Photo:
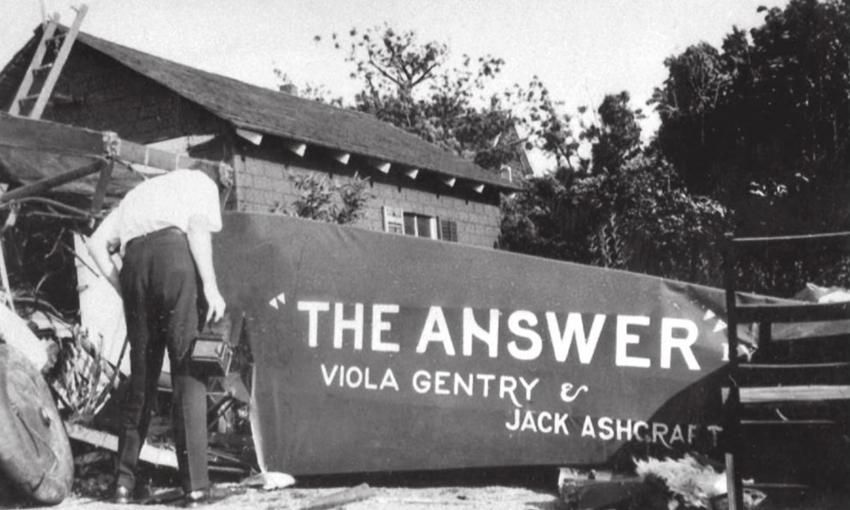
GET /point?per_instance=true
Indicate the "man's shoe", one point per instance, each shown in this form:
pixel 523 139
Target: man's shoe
pixel 121 495
pixel 195 499
pixel 143 491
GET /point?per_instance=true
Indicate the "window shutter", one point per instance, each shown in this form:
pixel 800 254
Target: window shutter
pixel 393 220
pixel 448 230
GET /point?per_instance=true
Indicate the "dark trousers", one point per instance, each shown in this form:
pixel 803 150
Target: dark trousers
pixel 159 283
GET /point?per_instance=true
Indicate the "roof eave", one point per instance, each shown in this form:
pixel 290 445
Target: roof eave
pixel 495 182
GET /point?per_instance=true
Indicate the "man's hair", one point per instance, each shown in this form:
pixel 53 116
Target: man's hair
pixel 222 175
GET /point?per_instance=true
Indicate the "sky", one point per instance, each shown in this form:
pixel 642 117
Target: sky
pixel 581 49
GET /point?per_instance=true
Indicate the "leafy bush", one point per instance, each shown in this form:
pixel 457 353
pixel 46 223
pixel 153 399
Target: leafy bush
pixel 638 219
pixel 323 199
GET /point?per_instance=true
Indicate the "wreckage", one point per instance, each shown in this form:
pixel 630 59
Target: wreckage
pixel 350 358
pixel 57 182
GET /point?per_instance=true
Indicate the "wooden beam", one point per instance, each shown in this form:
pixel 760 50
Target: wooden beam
pixel 342 157
pixel 43 185
pixel 137 154
pixel 340 499
pixel 149 453
pixel 412 173
pixel 50 137
pixel 297 148
pixel 798 312
pixel 102 183
pixel 251 136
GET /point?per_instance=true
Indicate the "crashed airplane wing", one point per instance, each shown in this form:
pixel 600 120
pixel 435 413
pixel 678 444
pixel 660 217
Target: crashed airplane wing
pixel 377 352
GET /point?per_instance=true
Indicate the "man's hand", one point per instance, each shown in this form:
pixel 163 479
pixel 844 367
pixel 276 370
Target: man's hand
pixel 215 303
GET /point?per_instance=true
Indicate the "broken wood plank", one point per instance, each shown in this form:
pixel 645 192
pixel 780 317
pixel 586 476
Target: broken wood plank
pixel 47 183
pixel 800 394
pixel 151 454
pixel 338 499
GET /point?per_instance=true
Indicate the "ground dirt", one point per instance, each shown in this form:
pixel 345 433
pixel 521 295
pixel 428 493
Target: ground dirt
pixel 382 498
pixel 450 497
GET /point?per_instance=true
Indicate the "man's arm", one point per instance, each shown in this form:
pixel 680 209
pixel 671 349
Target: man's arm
pixel 200 244
pixel 101 245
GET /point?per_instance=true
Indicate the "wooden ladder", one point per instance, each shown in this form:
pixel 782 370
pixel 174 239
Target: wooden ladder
pixel 754 387
pixel 46 65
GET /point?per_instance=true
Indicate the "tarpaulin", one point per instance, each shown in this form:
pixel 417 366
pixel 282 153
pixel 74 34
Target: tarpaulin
pixel 375 352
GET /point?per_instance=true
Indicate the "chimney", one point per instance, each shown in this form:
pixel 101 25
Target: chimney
pixel 289 88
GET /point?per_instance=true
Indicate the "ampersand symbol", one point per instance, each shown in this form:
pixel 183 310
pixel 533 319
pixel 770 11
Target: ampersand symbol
pixel 567 387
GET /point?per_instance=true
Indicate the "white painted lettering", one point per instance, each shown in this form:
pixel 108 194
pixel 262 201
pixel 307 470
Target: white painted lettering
pixel 624 339
pixel 561 424
pixel 435 330
pixel 587 429
pixel 379 325
pixel 355 325
pixel 507 386
pixel 471 331
pixel 528 386
pixel 421 381
pixel 574 329
pixel 328 377
pixel 516 327
pixel 313 308
pixel 440 377
pixel 606 430
pixel 683 344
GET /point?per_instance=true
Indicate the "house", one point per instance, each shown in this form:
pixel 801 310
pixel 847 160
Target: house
pixel 267 136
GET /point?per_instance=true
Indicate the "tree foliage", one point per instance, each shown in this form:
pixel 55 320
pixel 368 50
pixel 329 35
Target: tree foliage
pixel 417 87
pixel 625 209
pixel 754 137
pixel 413 86
pixel 763 123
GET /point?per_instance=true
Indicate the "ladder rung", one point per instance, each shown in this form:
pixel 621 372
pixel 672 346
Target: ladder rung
pixel 802 394
pixel 777 485
pixel 57 37
pixel 30 97
pixel 795 366
pixel 41 68
pixel 788 422
pixel 803 312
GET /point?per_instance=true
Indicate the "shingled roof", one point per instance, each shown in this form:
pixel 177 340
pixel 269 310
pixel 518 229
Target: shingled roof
pixel 276 113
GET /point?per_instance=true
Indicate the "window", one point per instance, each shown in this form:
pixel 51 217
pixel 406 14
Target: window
pixel 419 225
pixel 399 221
pixel 448 230
pixel 393 220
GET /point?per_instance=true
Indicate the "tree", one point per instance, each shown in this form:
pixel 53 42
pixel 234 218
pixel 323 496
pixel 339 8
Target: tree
pixel 617 138
pixel 764 123
pixel 628 211
pixel 412 85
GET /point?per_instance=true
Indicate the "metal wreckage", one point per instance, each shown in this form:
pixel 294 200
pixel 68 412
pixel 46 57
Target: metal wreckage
pixel 356 351
pixel 63 353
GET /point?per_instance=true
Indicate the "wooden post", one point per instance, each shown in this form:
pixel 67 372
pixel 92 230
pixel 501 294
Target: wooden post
pixel 731 424
pixel 4 276
pixel 102 184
